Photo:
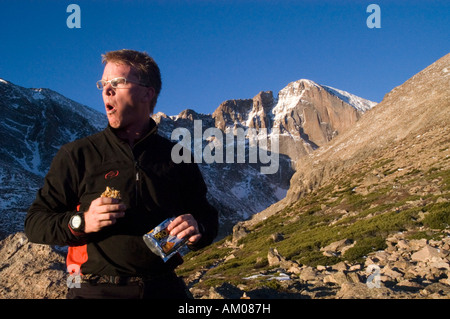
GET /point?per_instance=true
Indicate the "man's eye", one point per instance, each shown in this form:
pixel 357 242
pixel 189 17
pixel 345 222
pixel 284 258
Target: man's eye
pixel 116 82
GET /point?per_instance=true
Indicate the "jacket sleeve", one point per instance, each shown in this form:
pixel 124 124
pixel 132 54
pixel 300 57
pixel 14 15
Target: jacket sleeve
pixel 197 205
pixel 48 217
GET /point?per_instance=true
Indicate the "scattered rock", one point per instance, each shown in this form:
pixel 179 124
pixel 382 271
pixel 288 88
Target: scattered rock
pixel 362 291
pixel 426 254
pixel 239 232
pixel 341 266
pixel 337 248
pixel 277 237
pixel 229 257
pixel 308 274
pixel 393 274
pixel 406 269
pixel 225 291
pixel 273 257
pixel 409 285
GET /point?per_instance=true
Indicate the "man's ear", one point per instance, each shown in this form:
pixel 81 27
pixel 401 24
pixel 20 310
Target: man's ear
pixel 149 98
pixel 149 94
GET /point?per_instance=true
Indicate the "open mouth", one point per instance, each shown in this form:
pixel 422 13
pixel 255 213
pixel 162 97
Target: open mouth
pixel 109 109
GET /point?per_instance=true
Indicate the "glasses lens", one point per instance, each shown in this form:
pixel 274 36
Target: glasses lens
pixel 117 82
pixel 100 85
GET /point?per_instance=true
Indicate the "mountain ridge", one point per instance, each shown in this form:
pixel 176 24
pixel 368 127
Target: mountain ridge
pixel 34 125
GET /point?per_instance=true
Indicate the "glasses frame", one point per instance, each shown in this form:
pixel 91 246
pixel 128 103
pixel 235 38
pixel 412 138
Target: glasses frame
pixel 103 83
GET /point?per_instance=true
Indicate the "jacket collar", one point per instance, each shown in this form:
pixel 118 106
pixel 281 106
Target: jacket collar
pixel 153 130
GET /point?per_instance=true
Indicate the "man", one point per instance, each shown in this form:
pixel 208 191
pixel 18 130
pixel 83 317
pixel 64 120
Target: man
pixel 105 235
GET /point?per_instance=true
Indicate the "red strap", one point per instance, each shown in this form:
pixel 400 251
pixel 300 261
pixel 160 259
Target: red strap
pixel 76 256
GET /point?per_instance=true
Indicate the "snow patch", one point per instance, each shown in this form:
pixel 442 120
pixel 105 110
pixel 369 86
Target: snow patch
pixel 358 103
pixel 32 162
pixel 281 277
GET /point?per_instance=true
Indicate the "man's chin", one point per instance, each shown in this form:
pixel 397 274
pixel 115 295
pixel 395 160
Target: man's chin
pixel 113 121
pixel 114 124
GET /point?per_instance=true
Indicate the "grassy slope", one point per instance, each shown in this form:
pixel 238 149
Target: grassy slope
pixel 379 196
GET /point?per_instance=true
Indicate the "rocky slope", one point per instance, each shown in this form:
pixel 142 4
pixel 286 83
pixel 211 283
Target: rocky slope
pixel 366 216
pixel 22 274
pixel 407 269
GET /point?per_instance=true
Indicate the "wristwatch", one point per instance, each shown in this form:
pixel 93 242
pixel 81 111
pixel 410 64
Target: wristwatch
pixel 76 222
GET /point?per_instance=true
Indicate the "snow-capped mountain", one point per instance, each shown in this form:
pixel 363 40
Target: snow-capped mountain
pixel 309 115
pixel 304 116
pixel 34 124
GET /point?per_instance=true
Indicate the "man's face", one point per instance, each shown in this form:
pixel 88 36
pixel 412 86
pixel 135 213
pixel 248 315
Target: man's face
pixel 129 106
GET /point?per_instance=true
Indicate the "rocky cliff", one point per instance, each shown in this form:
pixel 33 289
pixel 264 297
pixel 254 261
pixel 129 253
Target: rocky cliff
pixel 307 114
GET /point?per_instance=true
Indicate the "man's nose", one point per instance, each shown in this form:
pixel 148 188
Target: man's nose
pixel 108 90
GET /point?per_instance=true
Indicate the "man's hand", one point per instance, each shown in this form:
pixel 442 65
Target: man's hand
pixel 103 212
pixel 185 226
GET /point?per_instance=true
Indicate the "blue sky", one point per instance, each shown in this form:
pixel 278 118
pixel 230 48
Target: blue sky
pixel 212 51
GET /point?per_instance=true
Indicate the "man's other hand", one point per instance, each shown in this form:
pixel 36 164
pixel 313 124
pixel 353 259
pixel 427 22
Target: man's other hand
pixel 185 226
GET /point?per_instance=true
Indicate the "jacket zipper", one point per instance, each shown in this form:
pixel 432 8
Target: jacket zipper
pixel 136 187
pixel 136 165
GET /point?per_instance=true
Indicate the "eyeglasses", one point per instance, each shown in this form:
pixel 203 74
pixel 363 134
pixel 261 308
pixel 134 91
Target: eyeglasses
pixel 117 83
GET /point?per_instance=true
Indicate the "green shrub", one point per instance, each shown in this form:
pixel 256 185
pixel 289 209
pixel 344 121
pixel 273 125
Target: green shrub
pixel 438 216
pixel 365 246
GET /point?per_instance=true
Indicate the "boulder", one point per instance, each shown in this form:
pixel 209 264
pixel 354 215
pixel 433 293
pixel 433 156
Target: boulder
pixel 337 248
pixel 427 253
pixel 273 257
pixel 31 271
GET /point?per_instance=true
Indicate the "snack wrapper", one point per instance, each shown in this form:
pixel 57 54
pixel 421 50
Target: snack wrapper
pixel 161 242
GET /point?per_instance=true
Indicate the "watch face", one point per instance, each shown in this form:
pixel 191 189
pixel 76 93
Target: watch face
pixel 76 221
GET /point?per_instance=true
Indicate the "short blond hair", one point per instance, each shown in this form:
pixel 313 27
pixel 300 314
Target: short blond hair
pixel 146 68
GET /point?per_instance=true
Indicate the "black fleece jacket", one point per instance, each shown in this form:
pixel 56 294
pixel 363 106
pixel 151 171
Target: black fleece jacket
pixel 152 187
